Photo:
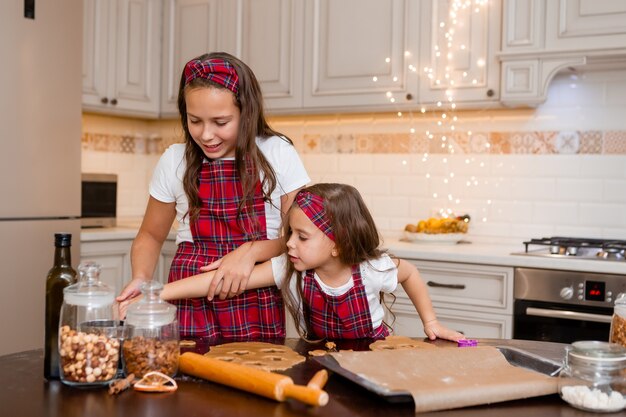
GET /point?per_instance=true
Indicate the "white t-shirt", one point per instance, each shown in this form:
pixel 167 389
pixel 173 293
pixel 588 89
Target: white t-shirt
pixel 378 275
pixel 167 182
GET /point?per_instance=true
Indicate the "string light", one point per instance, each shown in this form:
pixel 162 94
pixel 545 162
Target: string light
pixel 442 74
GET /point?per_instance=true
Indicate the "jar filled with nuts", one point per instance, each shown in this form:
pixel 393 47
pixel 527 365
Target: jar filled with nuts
pixel 618 323
pixel 89 352
pixel 151 334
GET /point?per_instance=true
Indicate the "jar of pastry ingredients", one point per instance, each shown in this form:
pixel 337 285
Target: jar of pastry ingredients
pixel 618 322
pixel 593 377
pixel 151 334
pixel 89 347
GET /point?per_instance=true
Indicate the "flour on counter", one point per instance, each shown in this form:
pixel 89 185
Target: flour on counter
pixel 581 396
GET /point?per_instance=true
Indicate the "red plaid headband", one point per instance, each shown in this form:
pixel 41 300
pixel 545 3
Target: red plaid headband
pixel 216 70
pixel 313 206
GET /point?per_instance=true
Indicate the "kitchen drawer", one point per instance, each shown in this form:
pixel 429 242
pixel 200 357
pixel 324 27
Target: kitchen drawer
pixel 474 325
pixel 483 288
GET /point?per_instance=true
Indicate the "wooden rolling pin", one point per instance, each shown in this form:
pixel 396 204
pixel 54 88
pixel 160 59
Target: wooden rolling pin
pixel 267 384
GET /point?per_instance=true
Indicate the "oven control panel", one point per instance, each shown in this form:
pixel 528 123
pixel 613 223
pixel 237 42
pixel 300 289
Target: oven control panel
pixel 584 288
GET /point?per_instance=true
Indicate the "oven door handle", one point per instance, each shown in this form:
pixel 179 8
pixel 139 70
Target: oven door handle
pixel 568 315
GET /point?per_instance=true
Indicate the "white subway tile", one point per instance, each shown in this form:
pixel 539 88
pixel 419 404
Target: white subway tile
pixel 320 163
pixel 614 191
pixel 602 215
pixel 578 231
pixel 602 166
pixel 392 164
pixel 533 189
pixel 389 206
pixel 555 213
pixel 511 212
pixel 528 231
pixel 373 184
pixel 356 164
pixel 577 189
pixel 410 186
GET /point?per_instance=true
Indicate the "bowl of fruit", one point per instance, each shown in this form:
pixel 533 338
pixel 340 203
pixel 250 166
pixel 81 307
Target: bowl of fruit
pixel 438 230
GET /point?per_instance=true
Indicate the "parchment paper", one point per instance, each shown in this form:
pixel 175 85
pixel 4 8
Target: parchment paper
pixel 446 378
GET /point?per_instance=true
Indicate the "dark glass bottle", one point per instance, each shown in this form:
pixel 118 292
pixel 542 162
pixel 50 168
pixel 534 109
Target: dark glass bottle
pixel 60 276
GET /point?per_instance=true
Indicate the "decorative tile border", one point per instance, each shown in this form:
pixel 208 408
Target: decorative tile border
pixel 129 144
pixel 485 143
pixel 502 143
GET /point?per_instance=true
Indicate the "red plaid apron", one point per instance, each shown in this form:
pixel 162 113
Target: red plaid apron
pixel 255 314
pixel 343 317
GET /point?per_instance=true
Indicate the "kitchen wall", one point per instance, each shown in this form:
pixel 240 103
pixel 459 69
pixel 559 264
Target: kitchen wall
pixel 559 169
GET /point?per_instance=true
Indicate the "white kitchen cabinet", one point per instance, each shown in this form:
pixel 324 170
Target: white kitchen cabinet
pixel 350 43
pixel 474 69
pixel 190 28
pixel 476 300
pixel 322 55
pixel 113 254
pixel 541 38
pixel 122 56
pixel 267 36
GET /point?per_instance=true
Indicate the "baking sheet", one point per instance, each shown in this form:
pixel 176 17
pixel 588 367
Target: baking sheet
pixel 489 365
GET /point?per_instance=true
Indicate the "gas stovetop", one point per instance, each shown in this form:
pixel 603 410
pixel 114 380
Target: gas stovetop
pixel 576 248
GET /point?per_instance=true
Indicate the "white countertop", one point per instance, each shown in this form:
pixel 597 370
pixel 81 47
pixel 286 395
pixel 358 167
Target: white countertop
pixel 477 251
pixel 496 253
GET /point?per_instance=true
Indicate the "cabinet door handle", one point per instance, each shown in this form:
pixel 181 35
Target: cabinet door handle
pixel 114 101
pixel 104 100
pixel 451 286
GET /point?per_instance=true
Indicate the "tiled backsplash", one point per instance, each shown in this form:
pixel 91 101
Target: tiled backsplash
pixel 559 169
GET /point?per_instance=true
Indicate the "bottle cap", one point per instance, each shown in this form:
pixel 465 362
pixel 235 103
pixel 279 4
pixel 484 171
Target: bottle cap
pixel 62 239
pixel 467 342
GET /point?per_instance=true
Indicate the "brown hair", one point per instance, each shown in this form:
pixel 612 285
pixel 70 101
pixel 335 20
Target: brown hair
pixel 249 160
pixel 356 237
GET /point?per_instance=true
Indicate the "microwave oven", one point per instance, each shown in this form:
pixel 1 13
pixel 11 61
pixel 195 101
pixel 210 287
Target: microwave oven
pixel 98 200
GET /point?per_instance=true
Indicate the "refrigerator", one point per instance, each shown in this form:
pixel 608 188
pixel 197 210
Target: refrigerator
pixel 40 129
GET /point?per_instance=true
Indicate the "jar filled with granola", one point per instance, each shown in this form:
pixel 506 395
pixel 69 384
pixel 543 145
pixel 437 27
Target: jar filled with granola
pixel 618 323
pixel 151 334
pixel 89 347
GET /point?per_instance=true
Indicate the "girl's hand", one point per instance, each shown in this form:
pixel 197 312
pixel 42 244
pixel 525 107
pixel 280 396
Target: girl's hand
pixel 232 271
pixel 122 307
pixel 133 289
pixel 434 329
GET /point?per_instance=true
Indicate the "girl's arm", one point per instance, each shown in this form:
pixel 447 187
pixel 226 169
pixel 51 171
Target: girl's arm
pixel 144 253
pixel 234 269
pixel 414 286
pixel 197 286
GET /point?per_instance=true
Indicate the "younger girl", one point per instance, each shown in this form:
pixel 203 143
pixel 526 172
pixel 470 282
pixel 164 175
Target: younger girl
pixel 333 273
pixel 227 187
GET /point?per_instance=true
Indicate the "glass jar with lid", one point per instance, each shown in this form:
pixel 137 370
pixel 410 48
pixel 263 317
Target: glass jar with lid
pixel 618 322
pixel 151 334
pixel 89 347
pixel 593 377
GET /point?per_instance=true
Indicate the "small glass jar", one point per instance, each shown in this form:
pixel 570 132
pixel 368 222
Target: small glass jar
pixel 89 347
pixel 618 322
pixel 151 334
pixel 593 377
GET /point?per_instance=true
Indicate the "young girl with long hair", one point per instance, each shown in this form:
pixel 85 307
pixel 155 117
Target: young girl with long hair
pixel 228 186
pixel 334 272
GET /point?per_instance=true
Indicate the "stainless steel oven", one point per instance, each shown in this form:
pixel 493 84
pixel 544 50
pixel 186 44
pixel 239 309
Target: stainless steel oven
pixel 566 306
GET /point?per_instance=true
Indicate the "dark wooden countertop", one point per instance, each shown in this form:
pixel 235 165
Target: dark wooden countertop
pixel 24 393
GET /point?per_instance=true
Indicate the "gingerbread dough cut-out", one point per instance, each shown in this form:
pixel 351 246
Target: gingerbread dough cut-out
pixel 399 342
pixel 260 355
